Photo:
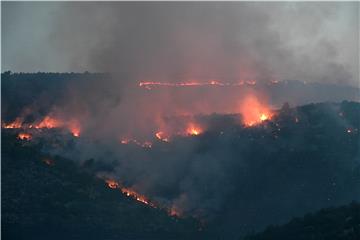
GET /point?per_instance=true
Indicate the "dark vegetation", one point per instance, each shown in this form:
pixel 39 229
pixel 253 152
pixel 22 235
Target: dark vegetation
pixel 60 201
pixel 342 223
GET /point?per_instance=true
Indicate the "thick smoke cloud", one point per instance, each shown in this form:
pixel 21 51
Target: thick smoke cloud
pixel 189 40
pixel 184 41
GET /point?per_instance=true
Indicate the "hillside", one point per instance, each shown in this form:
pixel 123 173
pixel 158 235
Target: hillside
pixel 46 197
pixel 341 223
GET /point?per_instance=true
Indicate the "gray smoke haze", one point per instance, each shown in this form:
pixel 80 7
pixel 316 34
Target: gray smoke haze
pixel 180 42
pixel 189 40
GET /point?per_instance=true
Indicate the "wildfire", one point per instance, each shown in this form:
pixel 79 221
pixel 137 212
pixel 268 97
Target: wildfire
pixel 138 197
pixel 129 192
pixel 24 136
pixel 112 184
pixel 16 124
pixel 145 144
pixel 253 111
pixel 161 136
pixel 193 130
pixel 74 128
pixel 150 84
pixel 263 117
pixel 49 122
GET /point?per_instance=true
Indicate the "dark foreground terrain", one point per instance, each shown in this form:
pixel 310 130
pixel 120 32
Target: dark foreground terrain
pixel 331 223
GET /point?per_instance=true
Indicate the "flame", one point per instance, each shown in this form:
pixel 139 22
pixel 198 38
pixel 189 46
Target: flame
pixel 24 136
pixel 138 197
pixel 264 117
pixel 16 124
pixel 162 136
pixel 49 122
pixel 253 111
pixel 74 128
pixel 150 84
pixel 112 183
pixel 194 130
pixel 129 192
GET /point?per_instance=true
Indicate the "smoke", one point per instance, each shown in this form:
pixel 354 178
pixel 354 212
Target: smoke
pixel 183 42
pixel 198 41
pixel 188 40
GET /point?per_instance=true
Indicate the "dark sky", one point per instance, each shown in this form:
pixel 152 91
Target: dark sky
pixel 183 40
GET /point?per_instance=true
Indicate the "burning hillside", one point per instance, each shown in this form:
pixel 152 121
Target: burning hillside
pixel 129 193
pixel 47 122
pixel 195 160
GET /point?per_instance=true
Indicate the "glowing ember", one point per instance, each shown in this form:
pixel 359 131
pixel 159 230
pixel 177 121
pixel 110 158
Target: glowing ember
pixel 174 212
pixel 16 124
pixel 161 136
pixel 147 144
pixel 76 133
pixel 24 136
pixel 193 130
pixel 124 141
pixel 48 161
pixel 112 184
pixel 253 111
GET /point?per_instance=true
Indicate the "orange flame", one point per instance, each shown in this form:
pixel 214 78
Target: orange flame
pixel 74 128
pixel 150 84
pixel 24 136
pixel 112 184
pixel 129 192
pixel 16 124
pixel 49 122
pixel 253 111
pixel 162 136
pixel 194 130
